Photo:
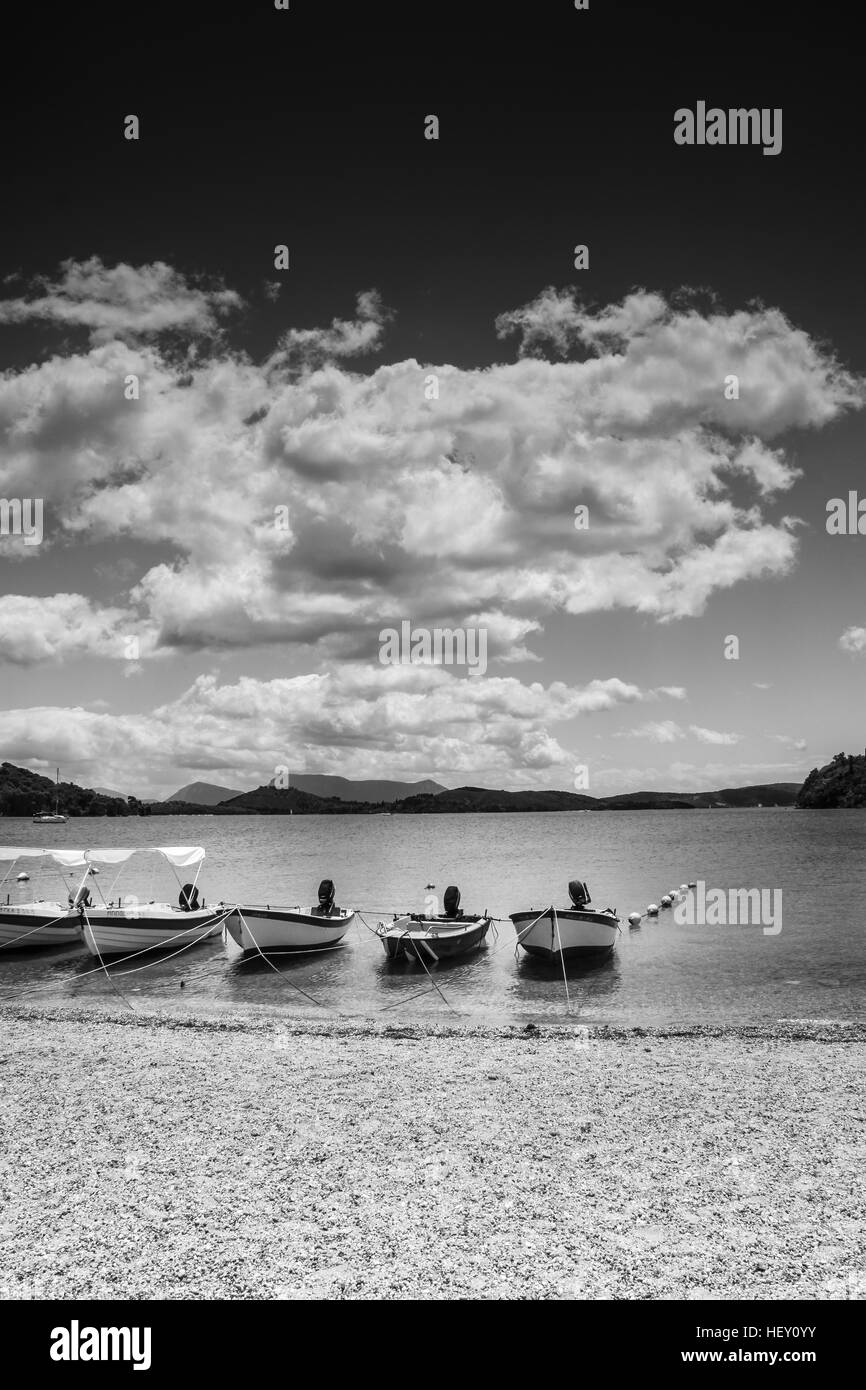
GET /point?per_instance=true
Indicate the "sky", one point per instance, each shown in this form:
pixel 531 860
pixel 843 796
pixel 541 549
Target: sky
pixel 220 555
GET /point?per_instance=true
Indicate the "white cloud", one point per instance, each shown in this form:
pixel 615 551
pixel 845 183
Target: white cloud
pixel 788 742
pixel 362 721
pixel 657 731
pixel 853 640
pixel 123 300
pixel 441 511
pixel 658 364
pixel 344 338
pixel 713 735
pixel 60 627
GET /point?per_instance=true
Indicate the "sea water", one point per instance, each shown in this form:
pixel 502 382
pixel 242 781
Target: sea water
pixel 661 973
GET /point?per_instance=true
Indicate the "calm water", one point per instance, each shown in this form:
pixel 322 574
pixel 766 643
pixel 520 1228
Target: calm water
pixel 661 973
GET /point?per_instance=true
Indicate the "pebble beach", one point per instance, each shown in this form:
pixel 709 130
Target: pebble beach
pixel 218 1156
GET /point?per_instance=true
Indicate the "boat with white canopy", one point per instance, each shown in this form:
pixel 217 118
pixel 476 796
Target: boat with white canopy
pixel 131 925
pixel 39 922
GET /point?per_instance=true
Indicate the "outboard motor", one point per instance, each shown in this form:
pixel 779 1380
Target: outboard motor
pixel 326 897
pixel 578 892
pixel 188 900
pixel 452 902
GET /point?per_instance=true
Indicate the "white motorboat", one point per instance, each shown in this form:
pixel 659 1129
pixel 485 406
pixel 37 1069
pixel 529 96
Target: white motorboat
pixel 42 922
pixel 577 930
pixel 428 940
pixel 132 926
pixel 266 929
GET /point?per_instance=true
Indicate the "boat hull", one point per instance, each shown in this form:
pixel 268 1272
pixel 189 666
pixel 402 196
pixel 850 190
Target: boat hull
pixel 33 926
pixel 154 927
pixel 278 929
pixel 569 932
pixel 432 940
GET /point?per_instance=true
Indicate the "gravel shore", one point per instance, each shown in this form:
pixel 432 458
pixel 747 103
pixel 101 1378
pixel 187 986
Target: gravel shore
pixel 226 1157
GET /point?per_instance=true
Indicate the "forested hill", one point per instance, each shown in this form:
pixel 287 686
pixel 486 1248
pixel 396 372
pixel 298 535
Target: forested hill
pixel 25 793
pixel 841 783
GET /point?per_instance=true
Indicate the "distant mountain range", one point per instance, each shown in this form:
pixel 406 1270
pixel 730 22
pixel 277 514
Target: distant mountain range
pixel 203 794
pixel 323 785
pixel 345 790
pixel 481 799
pixel 24 793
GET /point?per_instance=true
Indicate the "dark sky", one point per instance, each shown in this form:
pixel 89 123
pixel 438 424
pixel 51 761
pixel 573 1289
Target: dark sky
pixel 306 127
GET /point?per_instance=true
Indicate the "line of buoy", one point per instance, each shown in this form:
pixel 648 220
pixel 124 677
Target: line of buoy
pixel 667 900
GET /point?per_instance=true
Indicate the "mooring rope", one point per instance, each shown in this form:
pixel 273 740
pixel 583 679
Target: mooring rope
pixel 283 975
pixel 561 960
pixel 104 966
pixel 427 972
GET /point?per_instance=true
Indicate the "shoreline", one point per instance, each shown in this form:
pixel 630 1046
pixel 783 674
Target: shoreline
pixel 262 1020
pixel 202 1156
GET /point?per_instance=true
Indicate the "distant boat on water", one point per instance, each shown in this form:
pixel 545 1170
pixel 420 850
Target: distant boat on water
pixel 49 817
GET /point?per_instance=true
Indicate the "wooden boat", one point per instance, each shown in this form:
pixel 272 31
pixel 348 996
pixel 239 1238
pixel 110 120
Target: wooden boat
pixel 133 926
pixel 269 930
pixel 41 922
pixel 416 937
pixel 579 930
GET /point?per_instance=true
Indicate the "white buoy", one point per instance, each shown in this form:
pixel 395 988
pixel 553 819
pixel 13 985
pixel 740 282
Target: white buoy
pixel 693 885
pixel 666 902
pixel 684 887
pixel 652 910
pixel 634 919
pixel 23 878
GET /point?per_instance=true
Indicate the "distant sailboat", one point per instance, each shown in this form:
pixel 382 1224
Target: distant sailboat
pixel 47 818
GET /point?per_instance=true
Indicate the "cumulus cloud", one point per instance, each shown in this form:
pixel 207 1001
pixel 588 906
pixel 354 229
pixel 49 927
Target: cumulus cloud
pixel 788 742
pixel 657 364
pixel 853 640
pixel 345 337
pixel 122 300
pixel 63 626
pixel 360 721
pixel 267 506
